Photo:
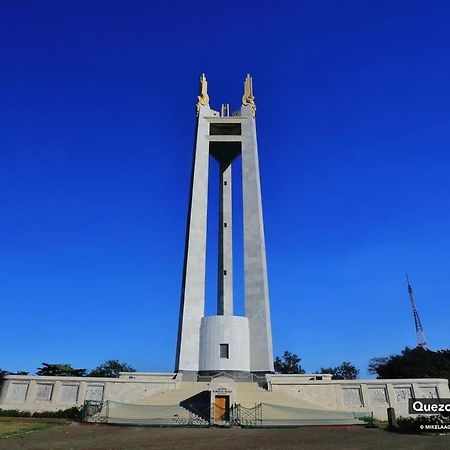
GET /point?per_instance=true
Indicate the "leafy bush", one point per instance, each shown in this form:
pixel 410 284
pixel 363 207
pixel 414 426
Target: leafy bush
pixel 14 413
pixel 417 424
pixel 73 413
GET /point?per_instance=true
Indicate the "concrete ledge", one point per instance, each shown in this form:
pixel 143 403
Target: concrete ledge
pixel 224 138
pixel 281 379
pixel 229 119
pixel 147 376
pixel 90 379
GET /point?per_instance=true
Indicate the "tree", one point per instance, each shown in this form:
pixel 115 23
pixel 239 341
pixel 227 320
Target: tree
pixel 111 369
pixel 346 371
pixel 376 363
pixel 412 363
pixel 60 370
pixel 7 372
pixel 289 363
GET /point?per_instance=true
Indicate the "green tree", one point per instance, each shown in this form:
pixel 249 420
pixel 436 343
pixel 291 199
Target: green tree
pixel 7 372
pixel 412 363
pixel 110 369
pixel 346 371
pixel 60 370
pixel 289 363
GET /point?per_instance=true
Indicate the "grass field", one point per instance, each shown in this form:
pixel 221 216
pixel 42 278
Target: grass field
pixel 50 436
pixel 10 426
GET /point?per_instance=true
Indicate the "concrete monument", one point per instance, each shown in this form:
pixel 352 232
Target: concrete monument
pixel 225 342
pixel 224 364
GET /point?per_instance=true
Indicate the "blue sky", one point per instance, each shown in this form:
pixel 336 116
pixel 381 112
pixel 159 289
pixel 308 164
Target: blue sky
pixel 97 123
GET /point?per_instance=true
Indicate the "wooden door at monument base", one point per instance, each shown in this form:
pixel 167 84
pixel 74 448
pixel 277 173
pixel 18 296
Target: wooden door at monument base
pixel 221 407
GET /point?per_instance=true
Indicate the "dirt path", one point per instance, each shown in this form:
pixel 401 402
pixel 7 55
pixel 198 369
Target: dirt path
pixel 96 437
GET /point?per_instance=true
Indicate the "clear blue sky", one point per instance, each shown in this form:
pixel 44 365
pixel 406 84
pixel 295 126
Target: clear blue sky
pixel 97 122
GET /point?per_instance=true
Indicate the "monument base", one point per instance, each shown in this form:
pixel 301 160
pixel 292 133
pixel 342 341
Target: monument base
pixel 224 344
pixel 309 392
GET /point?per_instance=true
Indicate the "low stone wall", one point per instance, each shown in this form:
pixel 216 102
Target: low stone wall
pixel 36 393
pixel 360 395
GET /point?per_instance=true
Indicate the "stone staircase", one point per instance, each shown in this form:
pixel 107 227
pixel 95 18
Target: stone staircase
pixel 184 391
pixel 282 409
pixel 249 394
pixel 189 404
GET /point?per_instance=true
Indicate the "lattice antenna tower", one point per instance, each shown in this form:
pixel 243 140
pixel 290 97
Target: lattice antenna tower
pixel 420 335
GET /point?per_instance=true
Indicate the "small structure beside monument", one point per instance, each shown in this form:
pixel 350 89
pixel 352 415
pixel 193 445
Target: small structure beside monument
pixel 224 363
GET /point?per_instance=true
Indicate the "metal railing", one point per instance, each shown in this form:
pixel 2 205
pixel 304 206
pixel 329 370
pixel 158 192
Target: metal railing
pixel 247 416
pixel 133 414
pixel 366 417
pixel 94 411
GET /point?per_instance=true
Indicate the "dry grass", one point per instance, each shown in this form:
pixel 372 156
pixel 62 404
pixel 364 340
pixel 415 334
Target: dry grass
pixel 95 437
pixel 10 426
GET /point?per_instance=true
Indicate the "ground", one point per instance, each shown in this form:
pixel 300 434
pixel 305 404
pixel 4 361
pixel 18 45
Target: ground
pixel 18 425
pixel 96 437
